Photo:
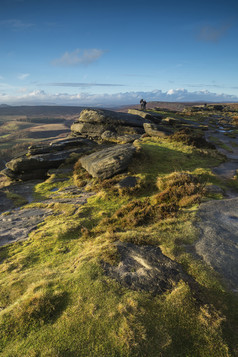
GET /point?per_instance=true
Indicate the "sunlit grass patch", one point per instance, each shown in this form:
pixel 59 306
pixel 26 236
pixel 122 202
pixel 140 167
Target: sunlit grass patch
pixel 160 157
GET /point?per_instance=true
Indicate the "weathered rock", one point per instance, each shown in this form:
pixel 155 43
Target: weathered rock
pixel 90 130
pixel 108 162
pixel 93 123
pixel 157 130
pixel 110 117
pixel 95 131
pixel 112 136
pixel 142 114
pixel 39 162
pixel 171 121
pixel 24 176
pixel 69 195
pixel 58 145
pixel 28 167
pixel 218 243
pixel 145 268
pixel 18 224
pixel 152 117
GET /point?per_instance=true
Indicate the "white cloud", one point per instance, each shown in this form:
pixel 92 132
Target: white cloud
pixel 23 76
pixel 170 92
pixel 78 57
pixel 15 24
pixel 41 97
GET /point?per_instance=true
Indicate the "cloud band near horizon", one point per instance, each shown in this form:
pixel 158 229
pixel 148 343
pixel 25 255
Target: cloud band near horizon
pixel 83 85
pixel 40 97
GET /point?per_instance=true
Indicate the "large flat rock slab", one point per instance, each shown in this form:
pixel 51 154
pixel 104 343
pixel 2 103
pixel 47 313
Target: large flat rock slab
pixel 218 243
pixel 108 162
pixel 18 224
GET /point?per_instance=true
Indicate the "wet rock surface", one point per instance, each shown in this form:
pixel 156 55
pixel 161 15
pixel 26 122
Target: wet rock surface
pixel 227 169
pixel 145 268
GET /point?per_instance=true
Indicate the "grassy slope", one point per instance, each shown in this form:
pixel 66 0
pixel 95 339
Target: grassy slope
pixel 56 301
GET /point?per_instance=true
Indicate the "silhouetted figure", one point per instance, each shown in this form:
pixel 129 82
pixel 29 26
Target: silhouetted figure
pixel 143 104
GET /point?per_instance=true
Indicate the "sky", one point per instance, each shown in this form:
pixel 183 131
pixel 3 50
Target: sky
pixel 109 52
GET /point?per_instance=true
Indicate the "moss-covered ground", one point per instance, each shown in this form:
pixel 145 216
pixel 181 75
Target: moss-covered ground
pixel 55 299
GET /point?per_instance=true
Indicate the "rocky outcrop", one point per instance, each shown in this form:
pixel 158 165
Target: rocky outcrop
pixel 92 123
pixel 108 162
pixel 157 130
pixel 41 158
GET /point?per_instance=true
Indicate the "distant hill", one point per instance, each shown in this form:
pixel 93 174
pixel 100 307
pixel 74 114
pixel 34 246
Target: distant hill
pixel 39 110
pixel 4 105
pixel 177 106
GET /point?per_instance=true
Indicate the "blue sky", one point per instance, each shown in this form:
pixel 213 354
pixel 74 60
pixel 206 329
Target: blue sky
pixel 115 52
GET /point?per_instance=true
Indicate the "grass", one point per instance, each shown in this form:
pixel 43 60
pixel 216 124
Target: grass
pixel 55 298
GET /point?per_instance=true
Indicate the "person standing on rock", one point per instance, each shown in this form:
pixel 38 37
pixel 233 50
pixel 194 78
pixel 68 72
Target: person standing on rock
pixel 143 104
